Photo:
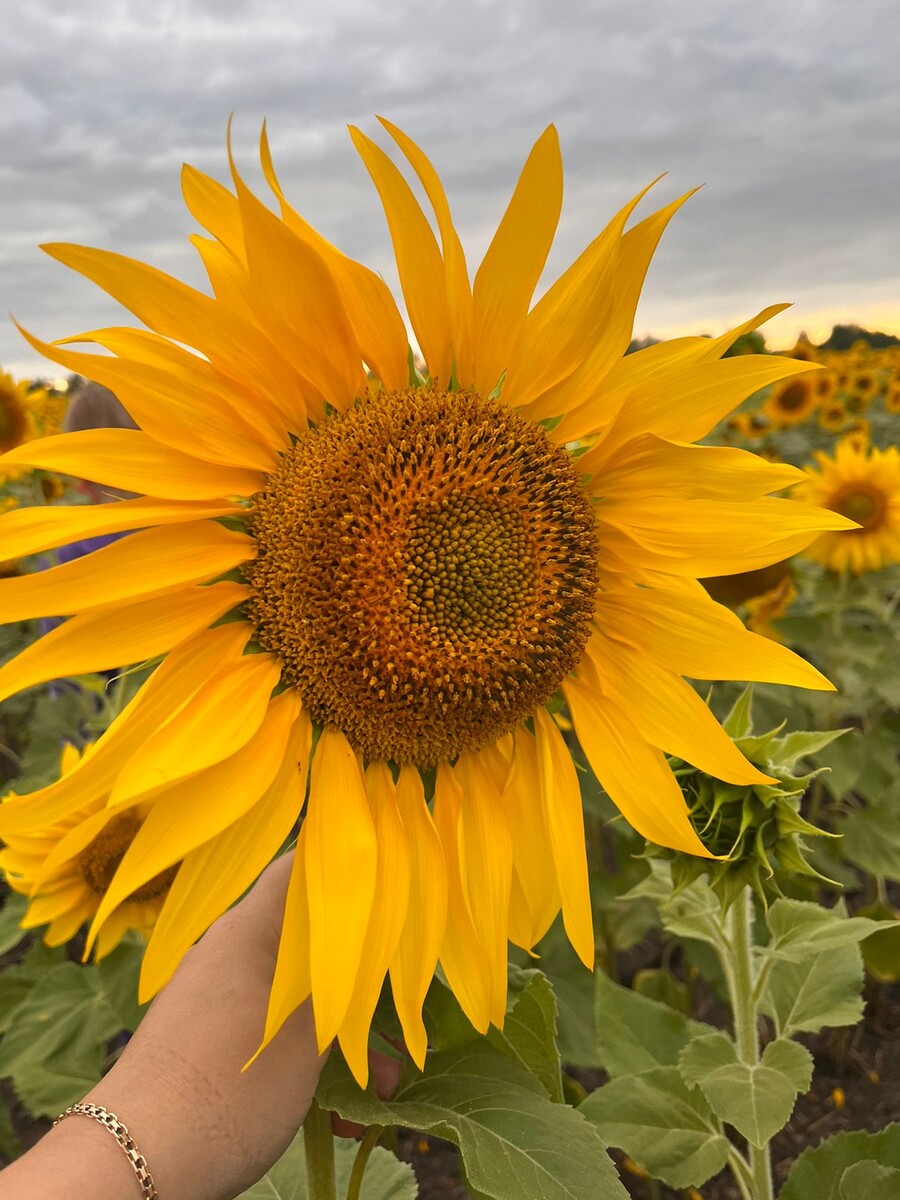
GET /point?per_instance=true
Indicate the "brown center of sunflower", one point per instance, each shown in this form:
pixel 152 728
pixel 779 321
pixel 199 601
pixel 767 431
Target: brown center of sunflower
pixel 794 396
pixel 426 571
pixel 13 420
pixel 863 505
pixel 99 861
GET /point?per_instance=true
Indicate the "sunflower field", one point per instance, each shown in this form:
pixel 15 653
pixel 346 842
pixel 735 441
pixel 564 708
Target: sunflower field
pixel 568 671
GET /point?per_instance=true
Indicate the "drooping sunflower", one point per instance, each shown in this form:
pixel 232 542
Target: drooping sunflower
pixel 793 402
pixel 66 868
pixel 383 580
pixel 862 483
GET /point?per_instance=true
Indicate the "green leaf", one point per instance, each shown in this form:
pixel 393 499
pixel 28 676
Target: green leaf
pixel 801 929
pixel 819 1172
pixel 386 1177
pixel 869 1180
pixel 573 985
pixel 56 1039
pixel 635 1033
pixel 820 991
pixel 516 1143
pixel 845 760
pixel 10 915
pixel 528 1036
pixel 18 980
pixel 799 744
pixel 739 722
pixel 756 1099
pixel 10 1147
pixel 118 975
pixel 872 840
pixel 662 1124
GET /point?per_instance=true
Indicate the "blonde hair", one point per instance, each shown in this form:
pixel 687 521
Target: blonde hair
pixel 96 407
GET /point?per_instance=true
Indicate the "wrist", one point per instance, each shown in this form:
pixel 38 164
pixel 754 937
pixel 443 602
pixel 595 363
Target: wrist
pixel 76 1159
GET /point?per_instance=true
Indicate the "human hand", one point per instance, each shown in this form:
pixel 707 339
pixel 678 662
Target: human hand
pixel 207 1129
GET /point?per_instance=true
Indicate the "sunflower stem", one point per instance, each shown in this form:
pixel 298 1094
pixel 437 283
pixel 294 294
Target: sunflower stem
pixel 318 1141
pixel 741 977
pixel 366 1146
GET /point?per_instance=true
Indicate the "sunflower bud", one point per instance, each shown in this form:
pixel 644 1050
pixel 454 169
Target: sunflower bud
pixel 753 830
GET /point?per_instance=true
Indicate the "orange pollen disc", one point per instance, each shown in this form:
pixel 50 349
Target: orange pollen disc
pixel 864 505
pixel 426 571
pixel 99 861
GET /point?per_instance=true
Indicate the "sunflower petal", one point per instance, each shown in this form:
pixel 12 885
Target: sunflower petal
pixel 426 914
pixel 341 862
pixel 217 873
pixel 535 883
pixel 103 639
pixel 132 459
pixel 635 774
pixel 512 266
pixel 389 915
pixel 170 558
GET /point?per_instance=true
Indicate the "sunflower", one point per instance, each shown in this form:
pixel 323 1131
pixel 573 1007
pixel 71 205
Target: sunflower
pixel 380 581
pixel 65 870
pixel 862 483
pixel 833 416
pixel 762 610
pixel 15 422
pixel 892 399
pixel 791 403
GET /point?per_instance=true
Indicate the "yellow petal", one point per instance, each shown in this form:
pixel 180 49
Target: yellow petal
pixel 370 307
pixel 419 261
pixel 667 712
pixel 485 850
pixel 160 404
pixel 131 459
pixel 508 275
pixel 694 636
pixel 216 874
pixel 462 956
pixel 26 531
pixel 154 561
pixel 635 774
pixel 170 688
pixel 389 914
pixel 103 639
pixel 459 290
pixel 292 983
pixel 235 703
pixel 215 208
pixel 561 798
pixel 341 861
pixel 535 888
pixel 412 966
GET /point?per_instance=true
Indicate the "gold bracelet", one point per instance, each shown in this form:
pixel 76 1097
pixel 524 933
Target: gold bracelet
pixel 111 1122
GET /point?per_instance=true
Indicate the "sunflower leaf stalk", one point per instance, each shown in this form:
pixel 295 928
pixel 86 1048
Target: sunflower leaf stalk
pixel 318 1140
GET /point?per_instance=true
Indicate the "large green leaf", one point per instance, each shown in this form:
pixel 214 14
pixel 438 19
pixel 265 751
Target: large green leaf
pixel 515 1142
pixel 10 915
pixel 529 1033
pixel 872 839
pixel 756 1099
pixel 662 1124
pixel 635 1033
pixel 56 1039
pixel 801 929
pixel 386 1178
pixel 118 975
pixel 822 991
pixel 18 980
pixel 818 1172
pixel 869 1180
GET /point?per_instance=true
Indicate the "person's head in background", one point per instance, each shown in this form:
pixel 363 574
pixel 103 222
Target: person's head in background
pixel 95 407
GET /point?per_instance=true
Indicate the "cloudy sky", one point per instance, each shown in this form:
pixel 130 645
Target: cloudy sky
pixel 788 112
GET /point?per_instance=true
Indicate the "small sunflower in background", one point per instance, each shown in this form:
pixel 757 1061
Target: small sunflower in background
pixel 832 416
pixel 793 402
pixel 862 483
pixel 412 569
pixel 892 399
pixel 15 420
pixel 66 868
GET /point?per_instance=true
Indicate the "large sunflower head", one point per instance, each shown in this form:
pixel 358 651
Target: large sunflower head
pixel 66 868
pixel 366 586
pixel 862 483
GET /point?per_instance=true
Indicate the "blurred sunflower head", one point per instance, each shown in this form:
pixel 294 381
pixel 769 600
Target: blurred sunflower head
pixel 411 569
pixel 15 422
pixel 66 868
pixel 892 399
pixel 833 416
pixel 861 483
pixel 793 402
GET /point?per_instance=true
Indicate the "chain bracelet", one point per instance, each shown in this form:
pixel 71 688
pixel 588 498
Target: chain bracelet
pixel 111 1122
